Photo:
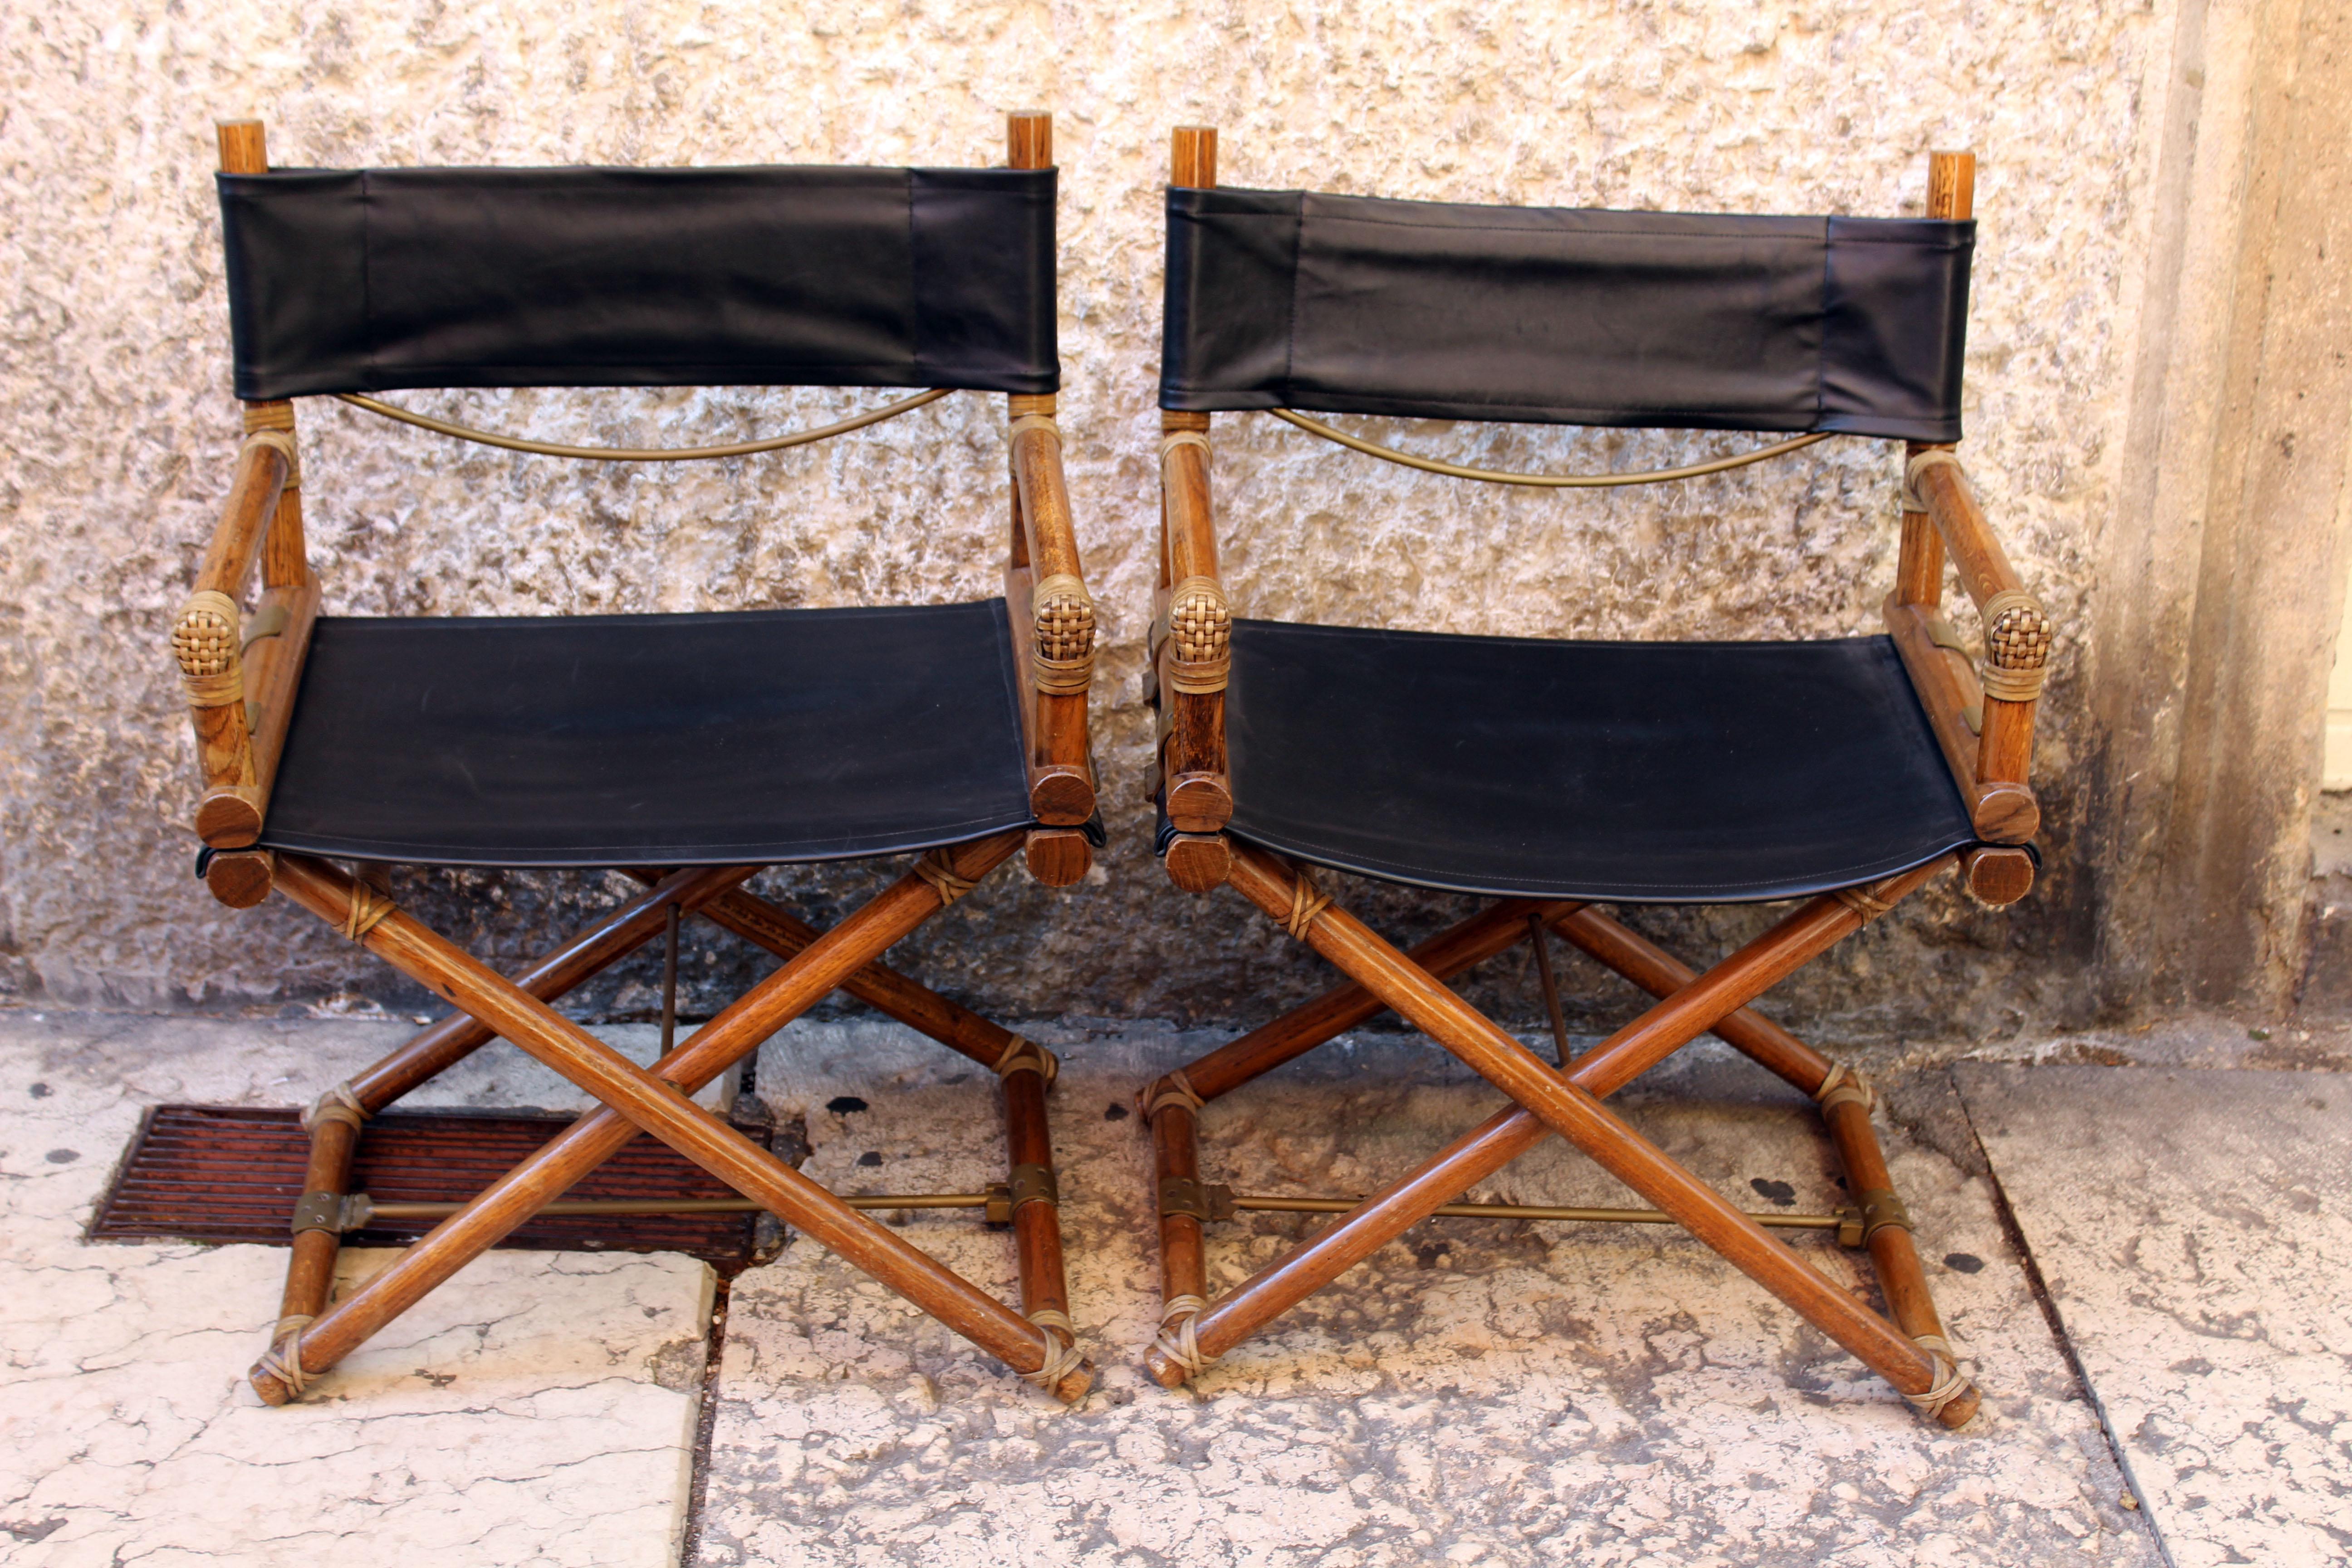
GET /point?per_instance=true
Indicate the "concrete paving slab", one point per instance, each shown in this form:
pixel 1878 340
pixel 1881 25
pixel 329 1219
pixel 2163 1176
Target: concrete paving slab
pixel 1479 1391
pixel 541 1409
pixel 2194 1229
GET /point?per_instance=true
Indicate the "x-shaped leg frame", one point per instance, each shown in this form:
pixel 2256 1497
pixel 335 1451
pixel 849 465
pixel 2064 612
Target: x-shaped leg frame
pixel 312 1336
pixel 1916 1357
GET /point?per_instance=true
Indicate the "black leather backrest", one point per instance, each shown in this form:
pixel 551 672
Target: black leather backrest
pixel 1560 315
pixel 360 280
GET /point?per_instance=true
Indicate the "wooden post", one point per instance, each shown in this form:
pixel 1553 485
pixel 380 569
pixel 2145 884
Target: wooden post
pixel 244 150
pixel 1190 613
pixel 1053 616
pixel 1919 570
pixel 1893 1257
pixel 242 708
pixel 1175 1129
pixel 1036 1203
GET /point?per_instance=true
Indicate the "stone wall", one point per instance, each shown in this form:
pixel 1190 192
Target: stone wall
pixel 114 389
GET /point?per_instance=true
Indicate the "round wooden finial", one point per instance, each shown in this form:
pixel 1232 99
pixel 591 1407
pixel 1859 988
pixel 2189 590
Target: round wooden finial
pixel 1951 184
pixel 244 146
pixel 1029 138
pixel 1192 156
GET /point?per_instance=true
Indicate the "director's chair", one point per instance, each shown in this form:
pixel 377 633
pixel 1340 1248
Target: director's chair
pixel 1558 776
pixel 686 751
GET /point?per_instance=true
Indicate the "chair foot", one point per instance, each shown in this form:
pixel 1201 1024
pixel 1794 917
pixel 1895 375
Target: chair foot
pixel 1165 1368
pixel 1961 1409
pixel 1074 1386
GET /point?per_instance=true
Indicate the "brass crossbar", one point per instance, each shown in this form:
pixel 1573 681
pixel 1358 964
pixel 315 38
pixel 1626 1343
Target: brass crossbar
pixel 360 1208
pixel 645 454
pixel 1840 1221
pixel 1545 481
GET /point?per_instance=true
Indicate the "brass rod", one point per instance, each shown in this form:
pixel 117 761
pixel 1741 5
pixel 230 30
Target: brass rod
pixel 645 454
pixel 580 1207
pixel 1546 481
pixel 669 982
pixel 1531 1211
pixel 1550 986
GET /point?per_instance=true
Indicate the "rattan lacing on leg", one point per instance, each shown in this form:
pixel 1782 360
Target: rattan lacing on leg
pixel 368 909
pixel 337 1104
pixel 1844 1086
pixel 1950 1384
pixel 1934 457
pixel 1062 1356
pixel 1028 1055
pixel 1179 1340
pixel 1307 902
pixel 934 869
pixel 1173 1089
pixel 1863 901
pixel 282 443
pixel 283 1359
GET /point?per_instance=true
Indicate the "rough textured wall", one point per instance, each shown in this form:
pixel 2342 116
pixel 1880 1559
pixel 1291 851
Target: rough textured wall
pixel 114 387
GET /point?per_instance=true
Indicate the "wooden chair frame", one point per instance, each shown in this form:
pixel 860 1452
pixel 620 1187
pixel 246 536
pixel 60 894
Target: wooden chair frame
pixel 224 657
pixel 1984 725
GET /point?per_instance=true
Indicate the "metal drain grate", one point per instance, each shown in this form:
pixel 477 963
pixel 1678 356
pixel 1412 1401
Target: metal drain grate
pixel 199 1172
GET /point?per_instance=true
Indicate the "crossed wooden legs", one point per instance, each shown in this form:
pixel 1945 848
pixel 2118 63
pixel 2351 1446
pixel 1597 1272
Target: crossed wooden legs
pixel 1039 1345
pixel 1914 1357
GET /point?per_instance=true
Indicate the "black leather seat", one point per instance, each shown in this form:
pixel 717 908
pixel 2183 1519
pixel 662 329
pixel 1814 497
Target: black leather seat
pixel 1670 772
pixel 596 741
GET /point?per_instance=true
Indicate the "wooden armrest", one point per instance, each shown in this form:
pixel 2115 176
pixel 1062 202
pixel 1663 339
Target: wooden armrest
pixel 2002 811
pixel 1192 637
pixel 2018 631
pixel 208 643
pixel 1053 624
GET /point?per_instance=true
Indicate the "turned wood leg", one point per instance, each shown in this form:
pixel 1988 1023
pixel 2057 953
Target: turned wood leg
pixel 1037 1200
pixel 1176 1183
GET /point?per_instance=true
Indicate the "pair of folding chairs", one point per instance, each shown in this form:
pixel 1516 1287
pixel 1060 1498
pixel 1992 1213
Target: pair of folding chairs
pixel 693 751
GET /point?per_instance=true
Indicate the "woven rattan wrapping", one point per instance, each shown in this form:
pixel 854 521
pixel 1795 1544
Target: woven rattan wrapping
pixel 2018 638
pixel 205 641
pixel 1201 624
pixel 1064 615
pixel 282 443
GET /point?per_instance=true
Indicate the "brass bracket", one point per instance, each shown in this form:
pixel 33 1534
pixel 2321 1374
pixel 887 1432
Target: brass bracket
pixel 1201 1201
pixel 331 1212
pixel 1879 1209
pixel 1032 1184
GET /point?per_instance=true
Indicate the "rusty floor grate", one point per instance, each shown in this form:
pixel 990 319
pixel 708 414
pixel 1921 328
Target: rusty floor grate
pixel 198 1173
